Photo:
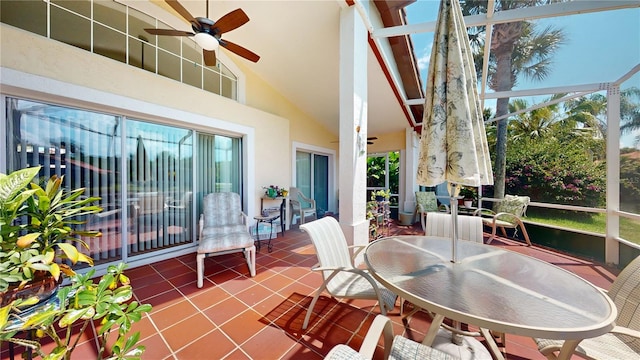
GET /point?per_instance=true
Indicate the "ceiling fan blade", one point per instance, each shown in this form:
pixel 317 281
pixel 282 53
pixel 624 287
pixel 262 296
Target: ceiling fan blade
pixel 372 138
pixel 239 50
pixel 209 57
pixel 231 21
pixel 180 9
pixel 169 32
pixel 370 142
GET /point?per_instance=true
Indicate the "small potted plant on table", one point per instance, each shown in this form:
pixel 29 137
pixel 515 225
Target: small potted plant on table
pixel 468 196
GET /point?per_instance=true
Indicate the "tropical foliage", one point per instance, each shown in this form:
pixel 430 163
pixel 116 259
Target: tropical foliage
pixel 519 49
pixel 106 304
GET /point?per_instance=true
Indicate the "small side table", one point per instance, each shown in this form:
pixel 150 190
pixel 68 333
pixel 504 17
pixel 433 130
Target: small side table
pixel 265 219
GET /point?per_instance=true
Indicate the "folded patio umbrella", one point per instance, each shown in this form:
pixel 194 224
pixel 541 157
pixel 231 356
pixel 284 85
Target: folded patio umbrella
pixel 453 146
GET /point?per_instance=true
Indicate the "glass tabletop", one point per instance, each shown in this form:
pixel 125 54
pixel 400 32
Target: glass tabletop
pixel 491 287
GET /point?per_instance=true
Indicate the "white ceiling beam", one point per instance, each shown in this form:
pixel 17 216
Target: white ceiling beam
pixel 537 92
pixel 529 13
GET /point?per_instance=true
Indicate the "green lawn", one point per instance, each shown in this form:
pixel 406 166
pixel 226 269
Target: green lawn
pixel 629 229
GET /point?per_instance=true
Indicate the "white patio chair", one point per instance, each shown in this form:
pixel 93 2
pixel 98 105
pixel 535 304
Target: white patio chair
pixel 223 230
pixel 341 278
pixel 506 213
pixel 395 348
pixel 623 342
pixel 469 227
pixel 301 205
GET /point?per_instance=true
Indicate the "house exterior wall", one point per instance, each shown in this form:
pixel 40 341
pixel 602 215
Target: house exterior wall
pixel 275 121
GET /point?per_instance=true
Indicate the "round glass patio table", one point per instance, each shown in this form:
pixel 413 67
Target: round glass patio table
pixel 491 288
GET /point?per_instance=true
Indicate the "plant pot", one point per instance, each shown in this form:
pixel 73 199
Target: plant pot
pixel 468 203
pixel 42 287
pixel 272 193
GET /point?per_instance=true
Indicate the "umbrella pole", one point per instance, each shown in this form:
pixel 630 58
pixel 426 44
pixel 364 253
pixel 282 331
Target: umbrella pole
pixel 454 222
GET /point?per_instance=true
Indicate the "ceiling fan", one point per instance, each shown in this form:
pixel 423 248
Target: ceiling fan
pixel 208 33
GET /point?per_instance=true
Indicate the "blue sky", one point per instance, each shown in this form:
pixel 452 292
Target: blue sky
pixel 600 47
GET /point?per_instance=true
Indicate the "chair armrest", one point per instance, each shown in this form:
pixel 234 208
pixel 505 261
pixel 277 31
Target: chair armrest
pixel 309 200
pixel 358 249
pixel 201 226
pixel 245 218
pixel 484 212
pixel 446 208
pixel 626 331
pixel 381 326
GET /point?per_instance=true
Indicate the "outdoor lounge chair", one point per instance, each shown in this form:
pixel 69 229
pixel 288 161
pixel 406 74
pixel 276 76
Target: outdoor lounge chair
pixel 341 279
pixel 506 213
pixel 223 230
pixel 623 342
pixel 395 348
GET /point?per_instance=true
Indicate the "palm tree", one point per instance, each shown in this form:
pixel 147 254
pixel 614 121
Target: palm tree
pixel 532 124
pixel 518 49
pixel 630 111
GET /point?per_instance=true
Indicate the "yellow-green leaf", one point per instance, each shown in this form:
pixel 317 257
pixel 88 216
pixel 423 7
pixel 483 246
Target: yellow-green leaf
pixel 70 250
pixel 55 271
pixel 26 240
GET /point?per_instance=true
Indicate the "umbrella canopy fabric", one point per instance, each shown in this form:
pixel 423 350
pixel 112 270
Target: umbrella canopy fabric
pixel 453 146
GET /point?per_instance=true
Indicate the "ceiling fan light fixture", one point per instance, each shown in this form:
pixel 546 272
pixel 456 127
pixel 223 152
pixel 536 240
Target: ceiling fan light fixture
pixel 206 41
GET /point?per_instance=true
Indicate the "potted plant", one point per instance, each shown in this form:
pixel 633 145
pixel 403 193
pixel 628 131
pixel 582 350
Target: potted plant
pixel 39 234
pixel 468 196
pixel 381 195
pixel 107 304
pixel 40 239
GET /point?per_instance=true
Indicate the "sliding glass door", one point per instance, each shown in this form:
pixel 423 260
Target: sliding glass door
pixel 143 172
pixel 312 178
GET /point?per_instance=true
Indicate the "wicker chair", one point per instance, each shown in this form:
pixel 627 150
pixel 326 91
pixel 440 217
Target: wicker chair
pixel 223 230
pixel 506 213
pixel 395 348
pixel 623 342
pixel 341 278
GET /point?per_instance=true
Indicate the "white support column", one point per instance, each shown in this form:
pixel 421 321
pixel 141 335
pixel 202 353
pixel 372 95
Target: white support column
pixel 612 246
pixel 353 114
pixel 411 169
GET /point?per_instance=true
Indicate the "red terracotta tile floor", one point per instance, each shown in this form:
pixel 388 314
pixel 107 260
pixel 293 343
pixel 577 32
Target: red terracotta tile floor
pixel 234 316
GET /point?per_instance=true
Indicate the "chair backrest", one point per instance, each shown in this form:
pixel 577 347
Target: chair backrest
pixel 625 293
pixel 222 209
pixel 469 227
pixel 329 241
pixel 512 204
pixel 299 201
pixel 427 199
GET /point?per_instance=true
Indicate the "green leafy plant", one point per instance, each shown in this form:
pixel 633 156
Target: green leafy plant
pixel 39 228
pixel 106 303
pixel 384 193
pixel 468 193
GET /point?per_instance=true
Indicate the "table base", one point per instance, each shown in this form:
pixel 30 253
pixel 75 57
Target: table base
pixel 469 349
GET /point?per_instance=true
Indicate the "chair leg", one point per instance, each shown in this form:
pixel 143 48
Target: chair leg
pixel 524 232
pixel 250 255
pixel 200 268
pixel 493 234
pixel 310 309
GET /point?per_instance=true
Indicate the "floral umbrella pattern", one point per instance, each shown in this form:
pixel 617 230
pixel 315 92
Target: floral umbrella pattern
pixel 454 145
